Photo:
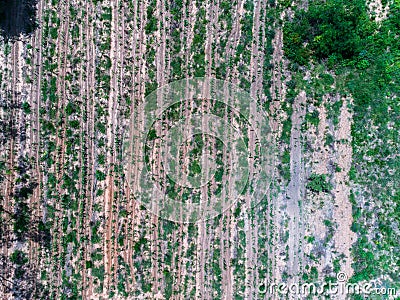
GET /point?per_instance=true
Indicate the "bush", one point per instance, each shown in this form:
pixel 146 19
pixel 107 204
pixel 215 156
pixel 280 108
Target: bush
pixel 100 175
pixel 313 118
pixel 318 183
pixel 335 28
pixel 18 257
pixel 26 108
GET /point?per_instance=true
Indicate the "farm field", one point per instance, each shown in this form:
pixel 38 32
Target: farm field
pixel 319 85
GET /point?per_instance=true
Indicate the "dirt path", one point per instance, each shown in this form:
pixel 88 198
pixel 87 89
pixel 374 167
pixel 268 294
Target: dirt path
pixel 109 199
pixel 90 108
pixel 295 188
pixel 36 94
pixel 162 72
pixel 276 116
pixel 138 79
pixel 319 205
pixel 202 289
pixel 205 236
pixel 62 50
pixel 84 27
pixel 8 70
pixel 228 238
pixel 256 92
pixel 321 154
pixel 344 236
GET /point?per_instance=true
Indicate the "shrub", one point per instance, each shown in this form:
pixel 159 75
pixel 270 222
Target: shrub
pixel 318 183
pixel 100 175
pixel 328 28
pixel 26 108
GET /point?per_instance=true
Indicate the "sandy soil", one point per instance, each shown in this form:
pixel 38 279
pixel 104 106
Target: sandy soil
pixel 344 237
pixel 377 11
pixel 295 190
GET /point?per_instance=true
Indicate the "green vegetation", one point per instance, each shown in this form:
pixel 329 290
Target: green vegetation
pixel 26 108
pixel 332 29
pixel 365 57
pixel 76 235
pixel 312 118
pixel 318 183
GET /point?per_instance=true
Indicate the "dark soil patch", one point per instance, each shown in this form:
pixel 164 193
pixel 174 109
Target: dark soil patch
pixel 17 17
